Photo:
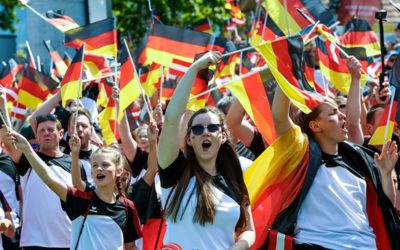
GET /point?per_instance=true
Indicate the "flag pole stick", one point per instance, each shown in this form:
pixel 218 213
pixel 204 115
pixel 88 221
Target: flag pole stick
pixel 37 13
pixel 39 66
pixel 223 85
pixel 394 5
pixel 138 80
pixel 256 26
pixel 162 81
pixel 101 77
pixel 325 85
pixel 311 31
pixel 30 54
pixel 240 66
pixel 315 37
pixel 116 84
pixel 238 51
pixel 4 63
pixel 388 119
pixel 287 16
pixel 80 85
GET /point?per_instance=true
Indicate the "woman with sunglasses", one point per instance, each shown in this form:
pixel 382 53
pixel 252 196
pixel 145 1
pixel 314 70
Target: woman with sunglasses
pixel 204 191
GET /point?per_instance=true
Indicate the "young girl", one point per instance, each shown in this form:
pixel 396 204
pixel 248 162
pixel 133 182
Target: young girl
pixel 100 219
pixel 343 199
pixel 206 197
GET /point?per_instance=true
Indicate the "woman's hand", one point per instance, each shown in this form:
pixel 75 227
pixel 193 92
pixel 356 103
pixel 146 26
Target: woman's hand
pixel 115 94
pixel 157 113
pixel 211 58
pixel 388 158
pixel 19 140
pixel 354 67
pixel 152 131
pixel 75 143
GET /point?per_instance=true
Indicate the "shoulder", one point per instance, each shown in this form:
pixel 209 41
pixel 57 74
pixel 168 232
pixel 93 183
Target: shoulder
pixel 79 194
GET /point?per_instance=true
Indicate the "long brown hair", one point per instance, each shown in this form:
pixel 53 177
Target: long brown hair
pixel 228 165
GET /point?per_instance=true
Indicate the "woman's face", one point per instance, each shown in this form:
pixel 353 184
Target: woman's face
pixel 104 171
pixel 124 182
pixel 206 145
pixel 143 140
pixel 331 123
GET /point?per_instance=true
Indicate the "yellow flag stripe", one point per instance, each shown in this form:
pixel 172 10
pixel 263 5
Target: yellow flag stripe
pixel 164 58
pixel 379 135
pixel 240 93
pixel 28 100
pixel 278 13
pixel 70 91
pixel 128 94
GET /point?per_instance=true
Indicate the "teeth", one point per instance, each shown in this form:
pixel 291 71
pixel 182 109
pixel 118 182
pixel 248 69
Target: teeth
pixel 207 142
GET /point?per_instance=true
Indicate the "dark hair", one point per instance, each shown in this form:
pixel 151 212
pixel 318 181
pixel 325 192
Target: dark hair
pixel 81 111
pixel 56 121
pixel 372 111
pixel 224 103
pixel 227 165
pixel 303 120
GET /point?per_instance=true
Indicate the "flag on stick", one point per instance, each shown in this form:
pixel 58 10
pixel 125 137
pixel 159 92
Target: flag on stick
pixel 61 21
pixel 60 64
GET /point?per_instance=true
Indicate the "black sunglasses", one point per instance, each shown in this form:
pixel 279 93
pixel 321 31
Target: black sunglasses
pixel 42 118
pixel 199 130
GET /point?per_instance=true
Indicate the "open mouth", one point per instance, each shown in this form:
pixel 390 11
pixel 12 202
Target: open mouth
pixel 100 177
pixel 206 145
pixel 344 129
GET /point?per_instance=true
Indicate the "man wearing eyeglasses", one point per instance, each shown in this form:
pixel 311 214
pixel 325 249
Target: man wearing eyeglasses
pixel 46 225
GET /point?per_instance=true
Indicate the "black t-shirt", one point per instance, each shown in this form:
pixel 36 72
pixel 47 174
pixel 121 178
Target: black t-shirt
pixel 244 151
pixel 139 162
pixel 257 145
pixel 349 162
pixel 396 167
pixel 120 214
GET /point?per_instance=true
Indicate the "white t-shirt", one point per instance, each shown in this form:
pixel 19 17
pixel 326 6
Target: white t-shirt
pixel 333 215
pixel 45 223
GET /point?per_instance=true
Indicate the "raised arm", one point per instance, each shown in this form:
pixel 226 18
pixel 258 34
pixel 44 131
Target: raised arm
pixel 280 112
pixel 75 145
pixel 169 139
pixel 128 143
pixel 353 107
pixel 41 169
pixel 14 153
pixel 238 125
pixel 152 166
pixel 45 108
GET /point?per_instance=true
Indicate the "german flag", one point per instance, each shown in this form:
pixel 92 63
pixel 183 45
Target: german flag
pixel 237 17
pixel 249 60
pixel 386 124
pixel 97 65
pixel 254 91
pixel 394 80
pixel 313 8
pixel 108 124
pixel 143 73
pixel 140 53
pixel 200 85
pixel 105 92
pixel 218 44
pixel 333 64
pixel 168 90
pixel 60 64
pixel 100 37
pixel 358 33
pixel 153 81
pixel 67 58
pixel 70 82
pixel 203 25
pixel 179 67
pixel 266 29
pixel 128 84
pixel 6 77
pixel 164 41
pixel 61 21
pixel 284 58
pixel 31 92
pixel 309 68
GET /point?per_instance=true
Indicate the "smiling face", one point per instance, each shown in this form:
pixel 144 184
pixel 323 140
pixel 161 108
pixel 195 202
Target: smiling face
pixel 104 170
pixel 206 145
pixel 48 136
pixel 330 124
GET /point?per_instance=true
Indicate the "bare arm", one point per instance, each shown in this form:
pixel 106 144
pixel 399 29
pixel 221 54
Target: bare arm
pixel 7 225
pixel 280 112
pixel 41 169
pixel 363 117
pixel 236 123
pixel 353 107
pixel 75 145
pixel 45 109
pixel 130 246
pixel 169 139
pixel 183 129
pixel 152 166
pixel 247 236
pixel 128 143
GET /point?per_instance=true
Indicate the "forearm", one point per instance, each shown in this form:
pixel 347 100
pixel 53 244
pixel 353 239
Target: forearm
pixel 3 107
pixel 280 112
pixel 45 108
pixel 238 125
pixel 245 241
pixel 183 129
pixel 95 138
pixel 363 119
pixel 152 165
pixel 353 113
pixel 388 186
pixel 76 173
pixel 127 141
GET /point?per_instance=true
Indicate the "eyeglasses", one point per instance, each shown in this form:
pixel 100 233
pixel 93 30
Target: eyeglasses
pixel 34 146
pixel 143 137
pixel 199 130
pixel 42 118
pixel 392 59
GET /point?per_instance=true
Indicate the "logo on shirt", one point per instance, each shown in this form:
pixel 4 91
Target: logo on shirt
pixel 93 209
pixel 171 246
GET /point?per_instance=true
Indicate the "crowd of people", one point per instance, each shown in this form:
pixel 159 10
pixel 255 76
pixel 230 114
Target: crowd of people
pixel 178 181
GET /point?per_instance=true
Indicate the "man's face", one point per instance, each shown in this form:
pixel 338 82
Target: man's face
pixel 48 136
pixel 83 129
pixel 391 61
pixel 377 118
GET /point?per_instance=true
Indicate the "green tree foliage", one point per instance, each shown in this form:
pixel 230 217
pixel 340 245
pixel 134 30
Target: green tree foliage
pixel 134 15
pixel 8 15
